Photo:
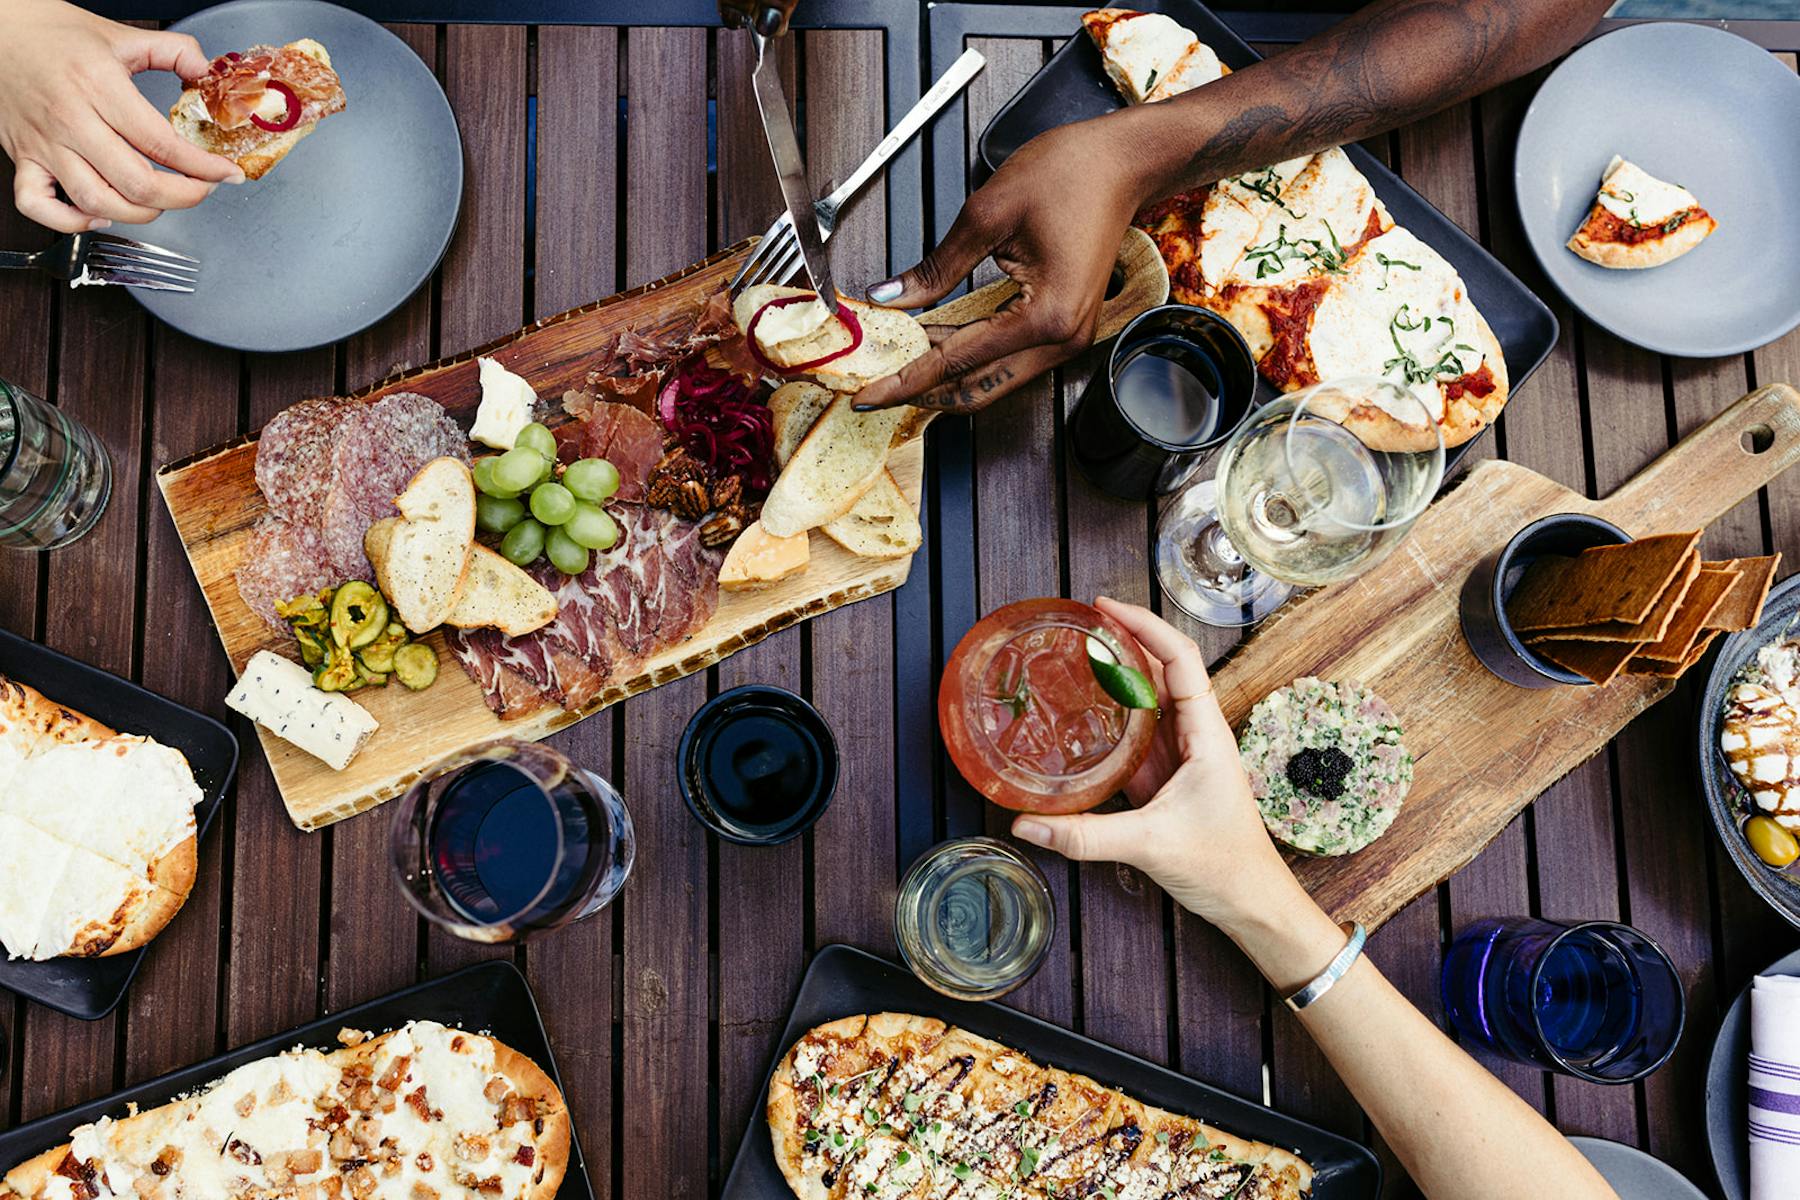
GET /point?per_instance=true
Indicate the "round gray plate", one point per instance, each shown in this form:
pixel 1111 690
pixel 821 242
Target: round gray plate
pixel 349 224
pixel 1695 106
pixel 1727 1117
pixel 1725 799
pixel 1635 1174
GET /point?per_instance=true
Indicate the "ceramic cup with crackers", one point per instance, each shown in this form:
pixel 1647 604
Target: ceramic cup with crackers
pixel 1490 633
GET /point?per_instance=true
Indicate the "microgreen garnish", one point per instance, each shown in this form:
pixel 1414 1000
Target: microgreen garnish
pixel 960 1170
pixel 902 1158
pixel 1028 1161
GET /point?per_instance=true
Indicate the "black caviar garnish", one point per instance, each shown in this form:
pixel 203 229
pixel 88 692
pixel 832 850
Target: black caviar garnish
pixel 1319 773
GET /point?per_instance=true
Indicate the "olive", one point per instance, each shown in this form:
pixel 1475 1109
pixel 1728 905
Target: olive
pixel 1773 844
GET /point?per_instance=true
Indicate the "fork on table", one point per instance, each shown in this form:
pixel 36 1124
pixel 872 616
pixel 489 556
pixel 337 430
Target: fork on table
pixel 106 258
pixel 777 255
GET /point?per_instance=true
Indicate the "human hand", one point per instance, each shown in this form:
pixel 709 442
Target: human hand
pixel 767 17
pixel 1197 832
pixel 70 115
pixel 1052 216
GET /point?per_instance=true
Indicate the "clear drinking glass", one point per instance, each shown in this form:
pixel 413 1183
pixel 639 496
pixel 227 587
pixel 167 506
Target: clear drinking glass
pixel 508 839
pixel 974 918
pixel 1309 491
pixel 1594 999
pixel 55 477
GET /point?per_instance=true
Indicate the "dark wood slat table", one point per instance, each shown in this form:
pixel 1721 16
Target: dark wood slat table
pixel 600 157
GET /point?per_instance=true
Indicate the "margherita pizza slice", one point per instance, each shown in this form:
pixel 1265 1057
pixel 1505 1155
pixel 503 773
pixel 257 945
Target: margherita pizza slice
pixel 1149 56
pixel 1639 221
pixel 899 1107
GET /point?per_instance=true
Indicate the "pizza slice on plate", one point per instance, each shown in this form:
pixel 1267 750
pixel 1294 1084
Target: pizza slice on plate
pixel 1640 221
pixel 1148 56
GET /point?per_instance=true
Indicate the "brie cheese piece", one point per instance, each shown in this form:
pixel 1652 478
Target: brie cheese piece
pixel 506 403
pixel 278 694
pixel 790 323
pixel 1638 198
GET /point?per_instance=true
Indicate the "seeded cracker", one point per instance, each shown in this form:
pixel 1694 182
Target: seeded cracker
pixel 1708 594
pixel 1743 605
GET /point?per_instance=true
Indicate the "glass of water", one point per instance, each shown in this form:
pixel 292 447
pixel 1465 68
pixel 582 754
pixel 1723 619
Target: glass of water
pixel 974 918
pixel 1315 487
pixel 1593 999
pixel 55 477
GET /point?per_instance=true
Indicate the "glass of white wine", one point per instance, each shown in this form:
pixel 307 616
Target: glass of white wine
pixel 1314 487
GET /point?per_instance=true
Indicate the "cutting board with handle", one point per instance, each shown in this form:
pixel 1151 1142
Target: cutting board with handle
pixel 1483 748
pixel 215 504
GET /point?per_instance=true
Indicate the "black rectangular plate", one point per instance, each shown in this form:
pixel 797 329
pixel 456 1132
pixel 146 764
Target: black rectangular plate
pixel 489 997
pixel 1073 87
pixel 89 988
pixel 843 981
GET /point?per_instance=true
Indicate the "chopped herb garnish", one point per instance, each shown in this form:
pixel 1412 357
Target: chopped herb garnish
pixel 1151 81
pixel 1267 184
pixel 960 1170
pixel 1273 256
pixel 1675 222
pixel 1215 1155
pixel 1388 264
pixel 1624 195
pixel 1449 363
pixel 902 1158
pixel 936 1127
pixel 911 1101
pixel 857 1144
pixel 1023 1108
pixel 812 1135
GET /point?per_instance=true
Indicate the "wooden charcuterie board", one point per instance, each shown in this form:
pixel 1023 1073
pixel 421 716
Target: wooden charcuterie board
pixel 1485 749
pixel 215 503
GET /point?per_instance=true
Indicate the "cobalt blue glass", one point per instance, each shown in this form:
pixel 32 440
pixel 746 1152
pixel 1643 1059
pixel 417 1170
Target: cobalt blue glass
pixel 1593 999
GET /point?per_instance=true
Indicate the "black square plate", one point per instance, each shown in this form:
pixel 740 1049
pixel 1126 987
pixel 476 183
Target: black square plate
pixel 843 981
pixel 490 997
pixel 89 988
pixel 1073 87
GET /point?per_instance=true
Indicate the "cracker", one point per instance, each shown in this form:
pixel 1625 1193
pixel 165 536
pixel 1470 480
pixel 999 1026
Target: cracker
pixel 1599 661
pixel 1604 583
pixel 1703 599
pixel 1650 629
pixel 1743 604
pixel 1652 666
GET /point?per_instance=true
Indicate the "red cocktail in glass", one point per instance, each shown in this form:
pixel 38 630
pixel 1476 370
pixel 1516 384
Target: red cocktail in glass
pixel 1026 720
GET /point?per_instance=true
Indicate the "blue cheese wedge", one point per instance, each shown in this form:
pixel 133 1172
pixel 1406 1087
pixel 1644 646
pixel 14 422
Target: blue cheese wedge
pixel 278 694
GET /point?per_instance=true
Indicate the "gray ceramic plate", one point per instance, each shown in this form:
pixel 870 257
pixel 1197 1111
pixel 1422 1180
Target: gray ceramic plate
pixel 1635 1174
pixel 1725 800
pixel 349 224
pixel 1696 106
pixel 1727 1114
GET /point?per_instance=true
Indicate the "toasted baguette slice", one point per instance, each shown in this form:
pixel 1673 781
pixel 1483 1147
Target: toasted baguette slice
pixel 841 457
pixel 255 150
pixel 882 524
pixel 758 559
pixel 794 408
pixel 426 563
pixel 496 593
pixel 891 339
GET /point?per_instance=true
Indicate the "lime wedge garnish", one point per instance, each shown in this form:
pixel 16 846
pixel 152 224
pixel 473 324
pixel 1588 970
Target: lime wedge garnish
pixel 1125 684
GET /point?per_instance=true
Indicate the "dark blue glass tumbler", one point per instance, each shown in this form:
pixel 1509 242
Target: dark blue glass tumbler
pixel 1593 999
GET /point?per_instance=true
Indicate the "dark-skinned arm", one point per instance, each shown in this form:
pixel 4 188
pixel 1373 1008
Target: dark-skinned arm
pixel 1053 215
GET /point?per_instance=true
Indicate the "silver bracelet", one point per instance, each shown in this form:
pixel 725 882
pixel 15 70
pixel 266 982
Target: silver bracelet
pixel 1335 970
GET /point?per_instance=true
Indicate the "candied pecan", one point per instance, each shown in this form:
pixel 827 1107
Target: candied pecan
pixel 424 1161
pixel 692 500
pixel 721 529
pixel 395 1074
pixel 727 491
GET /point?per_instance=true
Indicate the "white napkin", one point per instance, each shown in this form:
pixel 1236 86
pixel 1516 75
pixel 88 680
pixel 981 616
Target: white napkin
pixel 1775 1087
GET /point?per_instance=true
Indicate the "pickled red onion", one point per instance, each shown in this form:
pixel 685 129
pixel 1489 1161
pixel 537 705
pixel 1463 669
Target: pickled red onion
pixel 292 116
pixel 845 316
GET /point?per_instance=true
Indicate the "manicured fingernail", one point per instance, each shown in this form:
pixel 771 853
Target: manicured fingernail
pixel 99 223
pixel 236 177
pixel 1035 832
pixel 886 290
pixel 864 408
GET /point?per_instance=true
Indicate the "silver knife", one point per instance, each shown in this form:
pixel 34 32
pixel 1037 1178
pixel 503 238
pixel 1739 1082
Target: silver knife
pixel 790 169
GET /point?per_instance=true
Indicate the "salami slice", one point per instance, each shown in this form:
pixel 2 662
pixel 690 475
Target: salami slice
pixel 378 451
pixel 293 458
pixel 285 559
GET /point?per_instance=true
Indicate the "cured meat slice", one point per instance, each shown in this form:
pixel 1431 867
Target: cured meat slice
pixel 375 455
pixel 513 674
pixel 697 568
pixel 285 559
pixel 293 457
pixel 623 436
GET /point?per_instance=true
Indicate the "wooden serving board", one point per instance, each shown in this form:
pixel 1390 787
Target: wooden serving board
pixel 215 503
pixel 1484 749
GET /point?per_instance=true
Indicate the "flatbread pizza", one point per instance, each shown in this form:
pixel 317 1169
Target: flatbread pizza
pixel 1640 221
pixel 425 1112
pixel 891 1105
pixel 98 845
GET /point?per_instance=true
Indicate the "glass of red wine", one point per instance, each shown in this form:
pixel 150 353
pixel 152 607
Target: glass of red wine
pixel 509 839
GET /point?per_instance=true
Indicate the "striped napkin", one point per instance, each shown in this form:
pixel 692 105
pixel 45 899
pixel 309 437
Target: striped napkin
pixel 1775 1087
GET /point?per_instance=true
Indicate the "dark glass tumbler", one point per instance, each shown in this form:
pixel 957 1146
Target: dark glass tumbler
pixel 1594 999
pixel 1179 380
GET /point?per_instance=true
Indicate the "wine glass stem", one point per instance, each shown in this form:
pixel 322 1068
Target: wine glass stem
pixel 1217 559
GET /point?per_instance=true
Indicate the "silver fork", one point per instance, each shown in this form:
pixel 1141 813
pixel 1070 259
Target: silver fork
pixel 84 258
pixel 777 255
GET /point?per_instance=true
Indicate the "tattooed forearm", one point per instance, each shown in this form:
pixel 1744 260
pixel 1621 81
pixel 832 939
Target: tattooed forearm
pixel 1391 63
